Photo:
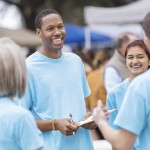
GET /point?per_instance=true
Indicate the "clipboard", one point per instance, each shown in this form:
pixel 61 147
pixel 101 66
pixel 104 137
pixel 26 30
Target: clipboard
pixel 88 120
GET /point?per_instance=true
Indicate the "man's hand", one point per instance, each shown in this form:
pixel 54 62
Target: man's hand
pixel 91 125
pixel 65 126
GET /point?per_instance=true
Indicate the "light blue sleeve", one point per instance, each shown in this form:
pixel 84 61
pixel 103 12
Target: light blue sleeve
pixel 133 113
pixel 26 133
pixel 111 78
pixel 26 100
pixel 111 104
pixel 86 88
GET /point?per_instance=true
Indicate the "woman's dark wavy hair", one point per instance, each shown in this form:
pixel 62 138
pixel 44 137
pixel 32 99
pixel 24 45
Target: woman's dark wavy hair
pixel 139 43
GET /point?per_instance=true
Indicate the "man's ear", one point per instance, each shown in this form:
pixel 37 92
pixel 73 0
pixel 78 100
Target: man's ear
pixel 148 39
pixel 38 32
pixel 149 63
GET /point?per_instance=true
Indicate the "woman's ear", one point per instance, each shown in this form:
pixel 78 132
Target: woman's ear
pixel 38 32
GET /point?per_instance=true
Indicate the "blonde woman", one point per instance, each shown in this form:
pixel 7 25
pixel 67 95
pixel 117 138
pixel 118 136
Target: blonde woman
pixel 18 130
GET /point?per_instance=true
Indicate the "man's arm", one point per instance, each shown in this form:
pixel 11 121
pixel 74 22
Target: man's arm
pixel 92 125
pixel 63 125
pixel 120 139
pixel 44 125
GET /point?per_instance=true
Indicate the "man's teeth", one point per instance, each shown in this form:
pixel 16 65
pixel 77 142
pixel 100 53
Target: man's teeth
pixel 135 66
pixel 57 40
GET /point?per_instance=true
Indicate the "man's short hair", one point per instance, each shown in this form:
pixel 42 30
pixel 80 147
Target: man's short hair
pixel 43 13
pixel 13 76
pixel 146 25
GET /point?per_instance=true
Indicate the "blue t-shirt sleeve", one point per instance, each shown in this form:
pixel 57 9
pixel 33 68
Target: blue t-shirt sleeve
pixel 111 104
pixel 26 133
pixel 86 89
pixel 133 113
pixel 26 100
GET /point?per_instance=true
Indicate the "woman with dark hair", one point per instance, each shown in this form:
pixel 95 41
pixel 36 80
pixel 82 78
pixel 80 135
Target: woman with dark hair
pixel 137 61
pixel 134 115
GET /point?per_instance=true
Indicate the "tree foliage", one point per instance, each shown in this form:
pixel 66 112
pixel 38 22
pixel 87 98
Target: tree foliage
pixel 71 10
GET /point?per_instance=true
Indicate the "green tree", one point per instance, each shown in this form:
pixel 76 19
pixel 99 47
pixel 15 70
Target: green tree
pixel 71 10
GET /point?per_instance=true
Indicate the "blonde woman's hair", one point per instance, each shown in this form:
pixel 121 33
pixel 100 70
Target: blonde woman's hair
pixel 13 75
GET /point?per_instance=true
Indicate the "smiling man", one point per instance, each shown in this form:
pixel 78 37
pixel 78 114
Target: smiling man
pixel 57 87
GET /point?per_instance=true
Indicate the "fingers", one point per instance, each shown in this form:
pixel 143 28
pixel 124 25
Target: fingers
pixel 98 107
pixel 99 103
pixel 95 111
pixel 66 127
pixel 68 133
pixel 71 128
pixel 91 126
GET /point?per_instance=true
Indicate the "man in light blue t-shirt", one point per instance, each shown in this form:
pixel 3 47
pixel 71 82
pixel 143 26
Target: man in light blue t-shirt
pixel 57 88
pixel 133 117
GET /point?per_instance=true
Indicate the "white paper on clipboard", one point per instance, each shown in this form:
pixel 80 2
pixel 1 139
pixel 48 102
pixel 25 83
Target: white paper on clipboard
pixel 88 120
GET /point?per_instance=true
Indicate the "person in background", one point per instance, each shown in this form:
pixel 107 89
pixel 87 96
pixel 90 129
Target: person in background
pixel 96 84
pixel 133 118
pixel 115 70
pixel 18 129
pixel 96 80
pixel 57 88
pixel 87 58
pixel 137 62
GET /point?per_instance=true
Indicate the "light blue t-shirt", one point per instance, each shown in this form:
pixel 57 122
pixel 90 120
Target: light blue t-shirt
pixel 114 100
pixel 56 88
pixel 134 114
pixel 18 130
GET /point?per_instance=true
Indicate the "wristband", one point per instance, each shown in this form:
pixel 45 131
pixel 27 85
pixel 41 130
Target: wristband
pixel 53 125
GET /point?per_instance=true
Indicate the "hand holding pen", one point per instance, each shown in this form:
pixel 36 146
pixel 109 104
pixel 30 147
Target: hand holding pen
pixel 70 115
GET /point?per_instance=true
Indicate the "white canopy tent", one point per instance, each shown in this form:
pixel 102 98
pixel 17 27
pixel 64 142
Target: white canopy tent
pixel 12 25
pixel 131 13
pixel 113 30
pixel 115 20
pixel 10 16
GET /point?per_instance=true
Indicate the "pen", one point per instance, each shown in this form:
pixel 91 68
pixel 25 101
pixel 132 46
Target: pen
pixel 112 110
pixel 70 115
